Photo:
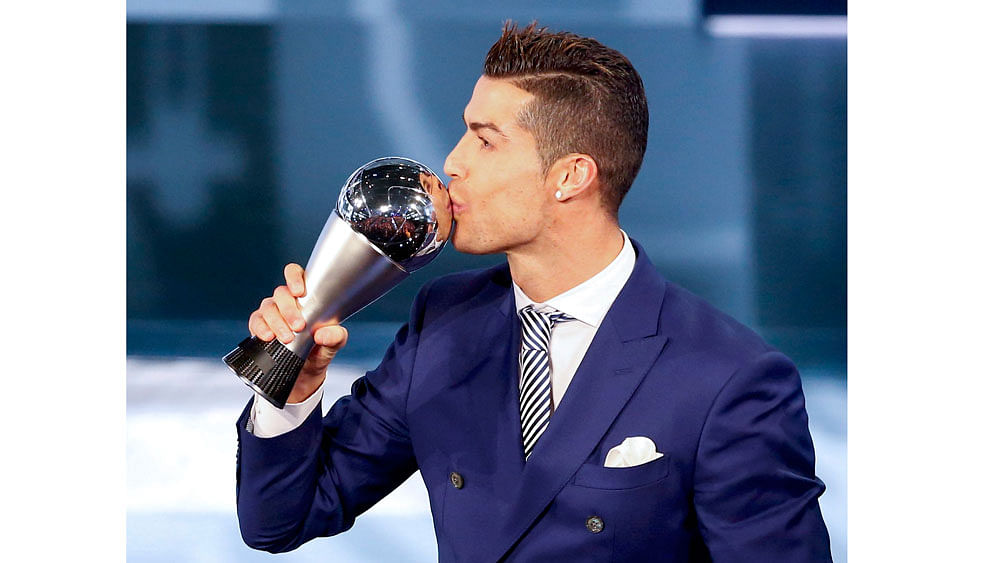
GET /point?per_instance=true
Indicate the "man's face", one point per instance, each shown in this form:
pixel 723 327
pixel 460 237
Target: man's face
pixel 496 183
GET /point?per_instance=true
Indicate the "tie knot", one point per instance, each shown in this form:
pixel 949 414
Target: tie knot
pixel 536 326
pixel 541 317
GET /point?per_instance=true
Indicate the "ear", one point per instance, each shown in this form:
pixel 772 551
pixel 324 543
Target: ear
pixel 574 175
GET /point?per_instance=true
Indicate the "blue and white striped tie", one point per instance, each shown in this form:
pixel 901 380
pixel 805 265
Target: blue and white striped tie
pixel 535 384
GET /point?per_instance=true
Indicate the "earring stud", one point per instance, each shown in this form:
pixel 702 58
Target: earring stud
pixel 558 194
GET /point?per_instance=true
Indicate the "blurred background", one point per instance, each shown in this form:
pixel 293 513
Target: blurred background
pixel 245 117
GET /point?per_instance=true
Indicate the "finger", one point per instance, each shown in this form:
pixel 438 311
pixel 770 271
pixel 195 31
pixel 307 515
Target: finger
pixel 319 359
pixel 296 279
pixel 275 321
pixel 289 308
pixel 329 340
pixel 259 328
pixel 334 336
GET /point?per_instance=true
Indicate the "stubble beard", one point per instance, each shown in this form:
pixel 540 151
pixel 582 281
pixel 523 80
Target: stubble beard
pixel 474 246
pixel 469 240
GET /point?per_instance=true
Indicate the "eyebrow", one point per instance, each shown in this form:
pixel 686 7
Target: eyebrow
pixel 477 125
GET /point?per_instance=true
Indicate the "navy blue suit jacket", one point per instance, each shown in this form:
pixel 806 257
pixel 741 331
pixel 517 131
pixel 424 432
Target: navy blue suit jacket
pixel 736 481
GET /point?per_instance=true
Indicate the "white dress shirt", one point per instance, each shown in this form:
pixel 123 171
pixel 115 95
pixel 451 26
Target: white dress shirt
pixel 587 303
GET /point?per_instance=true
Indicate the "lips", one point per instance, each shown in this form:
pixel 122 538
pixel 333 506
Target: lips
pixel 456 207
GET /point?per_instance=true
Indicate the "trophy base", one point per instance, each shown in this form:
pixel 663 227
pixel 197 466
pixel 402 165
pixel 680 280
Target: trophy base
pixel 269 368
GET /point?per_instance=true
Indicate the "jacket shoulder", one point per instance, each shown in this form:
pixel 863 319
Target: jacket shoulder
pixel 461 290
pixel 703 329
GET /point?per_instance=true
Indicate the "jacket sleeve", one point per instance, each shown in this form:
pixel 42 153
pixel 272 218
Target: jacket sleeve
pixel 315 480
pixel 755 487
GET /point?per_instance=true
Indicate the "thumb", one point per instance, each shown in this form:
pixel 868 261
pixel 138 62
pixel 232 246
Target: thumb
pixel 329 340
pixel 319 358
pixel 333 336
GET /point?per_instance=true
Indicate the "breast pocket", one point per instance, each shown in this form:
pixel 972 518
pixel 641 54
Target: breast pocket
pixel 618 478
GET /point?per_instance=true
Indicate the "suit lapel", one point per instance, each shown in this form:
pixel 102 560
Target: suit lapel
pixel 623 350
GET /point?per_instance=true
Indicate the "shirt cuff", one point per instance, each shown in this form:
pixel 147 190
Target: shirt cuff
pixel 268 421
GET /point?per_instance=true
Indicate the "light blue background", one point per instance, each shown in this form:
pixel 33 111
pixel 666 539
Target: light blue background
pixel 244 118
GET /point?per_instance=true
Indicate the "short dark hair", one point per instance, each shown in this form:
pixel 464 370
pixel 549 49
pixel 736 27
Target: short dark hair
pixel 588 99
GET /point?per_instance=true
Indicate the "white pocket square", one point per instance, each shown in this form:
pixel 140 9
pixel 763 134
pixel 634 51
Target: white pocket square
pixel 635 450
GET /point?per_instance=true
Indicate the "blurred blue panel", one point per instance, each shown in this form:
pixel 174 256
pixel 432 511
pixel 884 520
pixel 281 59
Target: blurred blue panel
pixel 239 137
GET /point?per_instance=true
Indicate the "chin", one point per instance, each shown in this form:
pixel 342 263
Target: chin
pixel 472 245
pixel 466 248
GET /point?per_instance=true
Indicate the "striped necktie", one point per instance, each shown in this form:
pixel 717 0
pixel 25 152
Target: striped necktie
pixel 535 385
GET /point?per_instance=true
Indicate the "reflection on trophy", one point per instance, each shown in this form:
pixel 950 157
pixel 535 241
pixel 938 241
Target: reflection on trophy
pixel 393 216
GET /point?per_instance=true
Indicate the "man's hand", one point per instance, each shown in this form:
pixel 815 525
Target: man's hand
pixel 280 316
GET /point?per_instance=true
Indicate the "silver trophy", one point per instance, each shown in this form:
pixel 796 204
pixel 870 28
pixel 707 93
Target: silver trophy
pixel 393 216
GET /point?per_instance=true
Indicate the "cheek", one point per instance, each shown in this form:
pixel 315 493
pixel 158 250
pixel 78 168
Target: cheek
pixel 517 213
pixel 508 200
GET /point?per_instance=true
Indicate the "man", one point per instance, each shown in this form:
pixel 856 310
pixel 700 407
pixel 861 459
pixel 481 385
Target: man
pixel 568 405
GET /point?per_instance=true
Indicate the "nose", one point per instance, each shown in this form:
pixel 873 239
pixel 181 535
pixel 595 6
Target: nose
pixel 452 165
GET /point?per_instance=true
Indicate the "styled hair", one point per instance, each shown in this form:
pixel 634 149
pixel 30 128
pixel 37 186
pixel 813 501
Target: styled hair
pixel 587 99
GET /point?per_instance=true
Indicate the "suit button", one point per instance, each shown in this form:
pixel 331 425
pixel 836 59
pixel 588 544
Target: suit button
pixel 595 524
pixel 457 480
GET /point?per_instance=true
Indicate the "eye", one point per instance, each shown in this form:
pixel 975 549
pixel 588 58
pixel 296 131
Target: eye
pixel 486 144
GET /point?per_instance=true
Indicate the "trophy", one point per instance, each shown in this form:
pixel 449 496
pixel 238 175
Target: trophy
pixel 393 216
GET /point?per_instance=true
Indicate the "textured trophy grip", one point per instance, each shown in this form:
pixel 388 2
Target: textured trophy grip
pixel 268 368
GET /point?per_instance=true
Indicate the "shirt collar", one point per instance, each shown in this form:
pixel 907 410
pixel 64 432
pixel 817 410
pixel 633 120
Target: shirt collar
pixel 589 301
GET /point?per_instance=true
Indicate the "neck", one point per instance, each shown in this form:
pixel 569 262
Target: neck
pixel 565 257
